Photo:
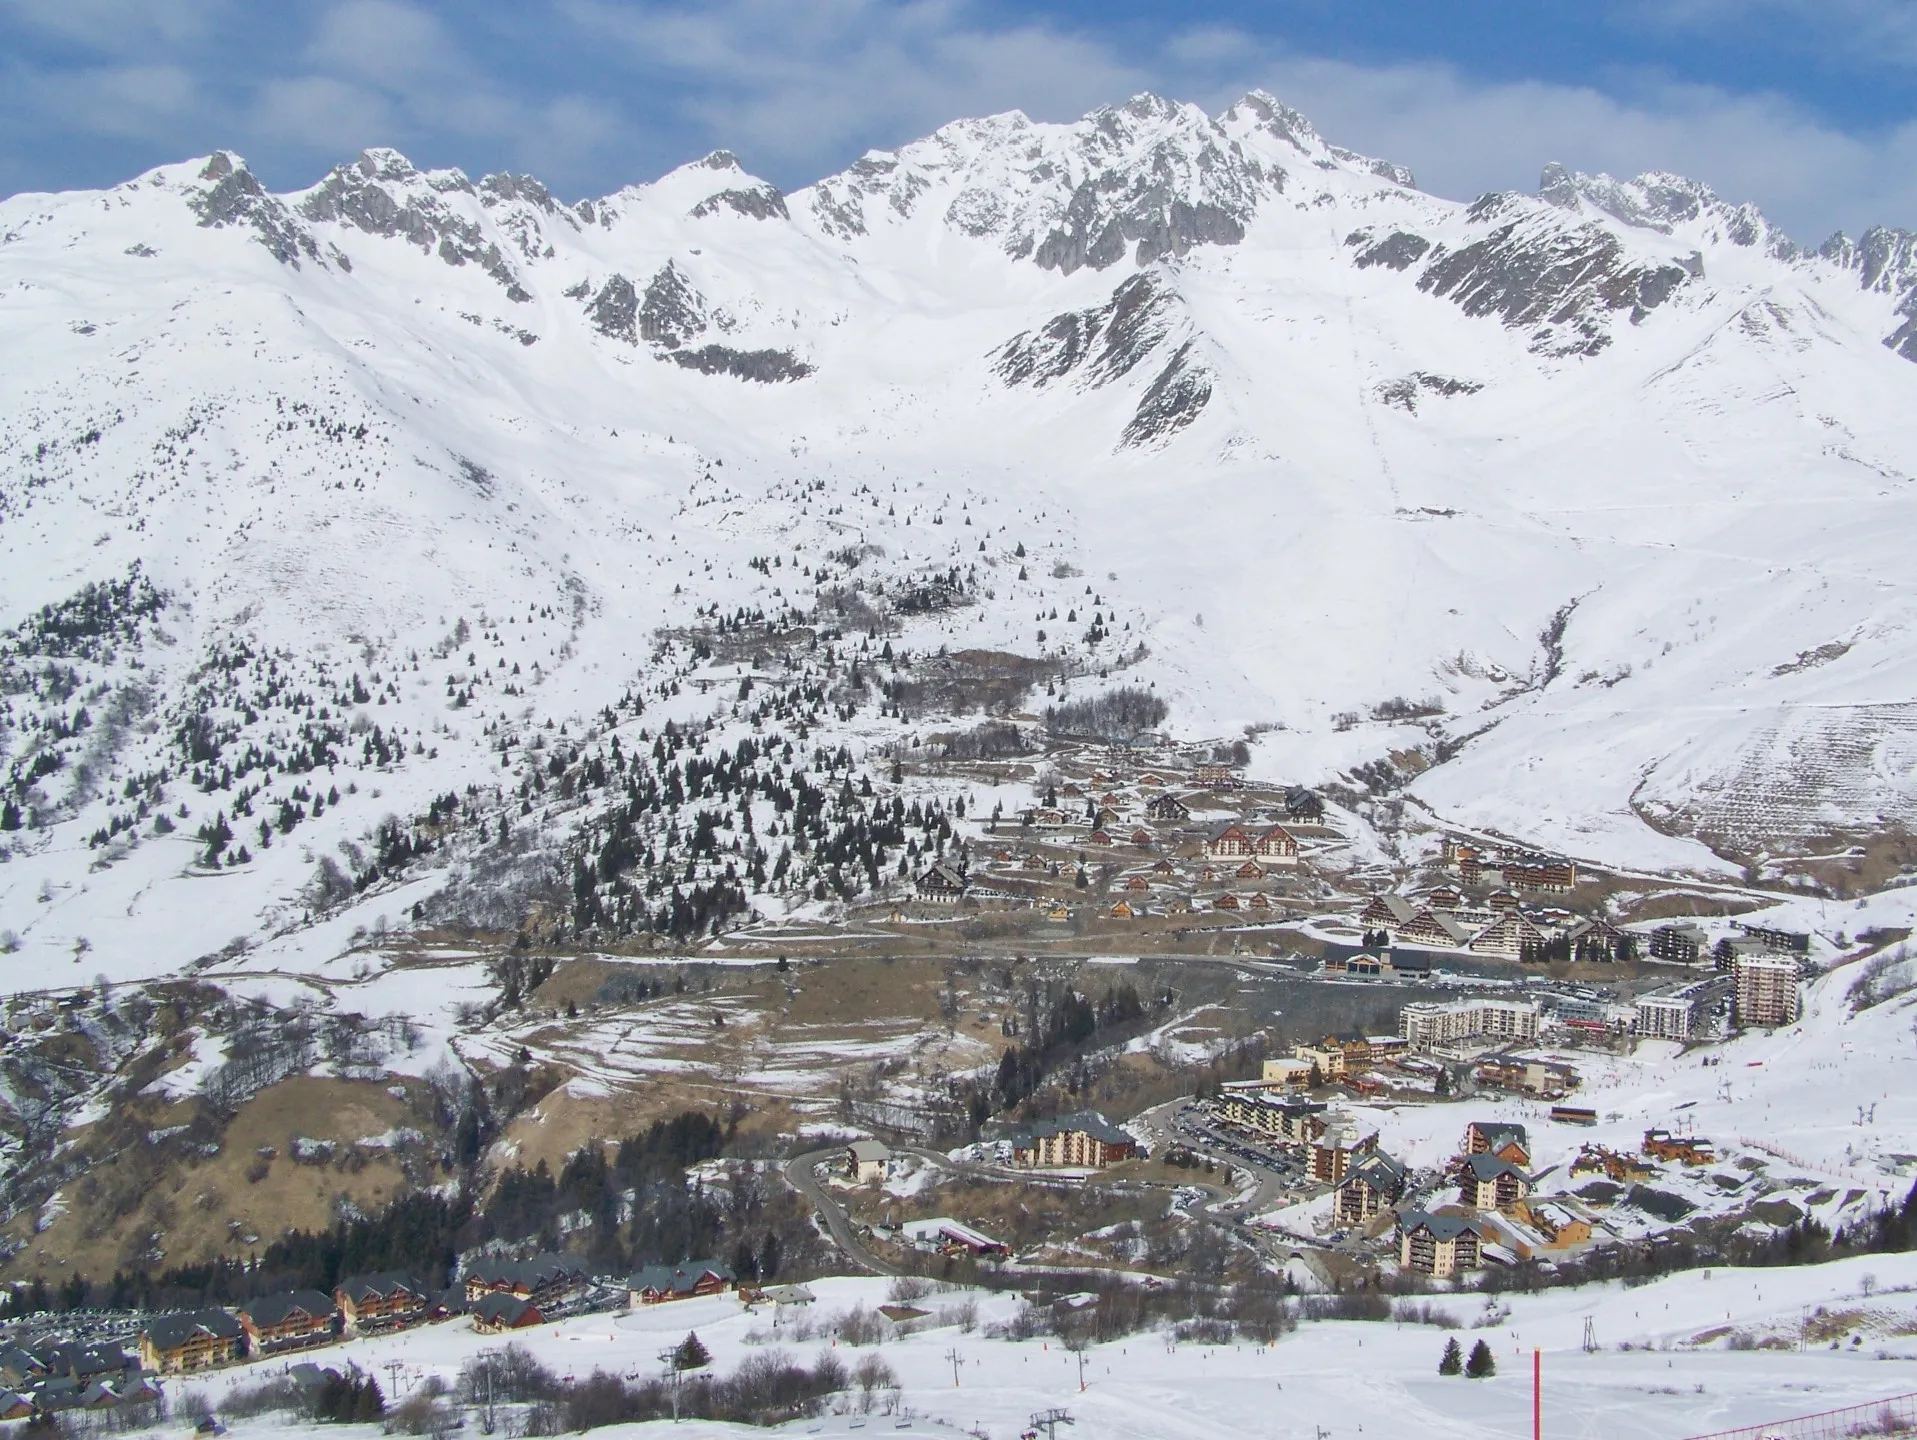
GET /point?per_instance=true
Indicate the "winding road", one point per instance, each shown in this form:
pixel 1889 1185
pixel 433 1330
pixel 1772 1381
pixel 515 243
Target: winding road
pixel 802 1173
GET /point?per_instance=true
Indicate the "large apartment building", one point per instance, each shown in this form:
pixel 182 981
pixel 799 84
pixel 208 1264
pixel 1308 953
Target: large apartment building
pixel 1427 1023
pixel 1766 989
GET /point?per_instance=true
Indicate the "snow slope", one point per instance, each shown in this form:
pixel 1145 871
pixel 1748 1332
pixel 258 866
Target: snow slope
pixel 404 464
pixel 1677 1377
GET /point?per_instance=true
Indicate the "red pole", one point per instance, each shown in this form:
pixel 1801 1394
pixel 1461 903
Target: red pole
pixel 1537 1395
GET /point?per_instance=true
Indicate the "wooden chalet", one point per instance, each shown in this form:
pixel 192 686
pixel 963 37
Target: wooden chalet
pixel 545 1280
pixel 1538 872
pixel 1276 845
pixel 940 884
pixel 196 1340
pixel 1686 1150
pixel 1142 839
pixel 498 1312
pixel 1429 928
pixel 369 1303
pixel 1123 910
pixel 1596 939
pixel 1488 1182
pixel 1250 870
pixel 1372 1185
pixel 1166 809
pixel 659 1284
pixel 1500 1138
pixel 1303 805
pixel 1387 913
pixel 1508 936
pixel 1227 901
pixel 290 1320
pixel 1231 841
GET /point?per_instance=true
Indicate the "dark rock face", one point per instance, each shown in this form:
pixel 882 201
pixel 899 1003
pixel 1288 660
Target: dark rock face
pixel 1107 342
pixel 672 311
pixel 1404 391
pixel 1115 212
pixel 1561 282
pixel 1399 250
pixel 1171 402
pixel 767 367
pixel 614 310
pixel 758 202
pixel 497 189
pixel 1885 260
pixel 236 197
pixel 358 195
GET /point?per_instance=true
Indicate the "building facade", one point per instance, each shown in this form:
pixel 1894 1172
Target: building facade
pixel 1766 989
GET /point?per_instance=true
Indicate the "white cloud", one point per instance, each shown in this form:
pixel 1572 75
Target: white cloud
pixel 1463 138
pixel 1874 31
pixel 120 27
pixel 323 113
pixel 795 85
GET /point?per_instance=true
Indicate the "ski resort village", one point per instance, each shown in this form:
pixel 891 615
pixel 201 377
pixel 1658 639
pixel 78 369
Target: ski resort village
pixel 1122 778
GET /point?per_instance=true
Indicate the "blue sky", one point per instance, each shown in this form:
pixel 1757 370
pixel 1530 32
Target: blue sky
pixel 1805 106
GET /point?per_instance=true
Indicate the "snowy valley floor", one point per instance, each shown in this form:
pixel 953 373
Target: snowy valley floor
pixel 1328 1379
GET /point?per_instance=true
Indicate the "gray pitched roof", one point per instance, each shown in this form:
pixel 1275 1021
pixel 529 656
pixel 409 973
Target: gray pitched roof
pixel 535 1273
pixel 1498 1132
pixel 1442 1227
pixel 1490 1167
pixel 500 1308
pixel 170 1332
pixel 677 1279
pixel 379 1286
pixel 276 1309
pixel 1088 1121
pixel 1376 1169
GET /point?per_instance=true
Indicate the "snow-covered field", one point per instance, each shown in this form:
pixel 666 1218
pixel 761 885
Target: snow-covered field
pixel 1679 1375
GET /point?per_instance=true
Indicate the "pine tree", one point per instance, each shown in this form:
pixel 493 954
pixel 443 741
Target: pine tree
pixel 1481 1362
pixel 1452 1362
pixel 691 1354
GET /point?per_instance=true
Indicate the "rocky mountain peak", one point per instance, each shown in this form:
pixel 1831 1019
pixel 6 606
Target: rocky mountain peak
pixel 383 194
pixel 1138 181
pixel 1662 202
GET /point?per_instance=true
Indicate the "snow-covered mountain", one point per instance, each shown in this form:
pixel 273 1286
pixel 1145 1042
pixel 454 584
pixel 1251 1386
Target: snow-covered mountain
pixel 355 490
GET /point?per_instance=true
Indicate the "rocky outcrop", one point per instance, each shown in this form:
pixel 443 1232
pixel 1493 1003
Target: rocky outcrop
pixel 767 367
pixel 1102 344
pixel 234 196
pixel 1405 391
pixel 1172 401
pixel 1885 261
pixel 1560 285
pixel 672 312
pixel 382 194
pixel 1099 346
pixel 757 202
pixel 1399 250
pixel 614 311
